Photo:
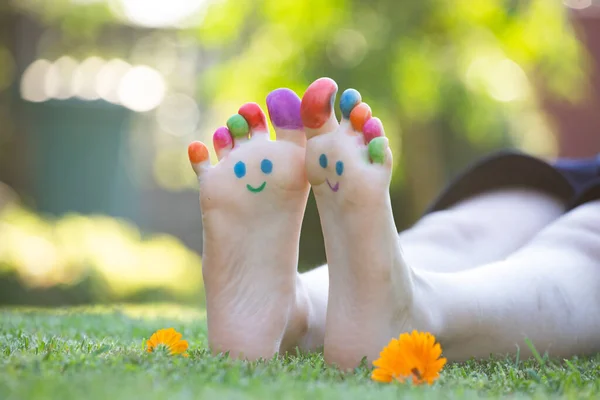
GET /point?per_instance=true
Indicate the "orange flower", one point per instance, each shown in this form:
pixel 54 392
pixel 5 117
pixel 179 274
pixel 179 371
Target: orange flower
pixel 413 356
pixel 169 339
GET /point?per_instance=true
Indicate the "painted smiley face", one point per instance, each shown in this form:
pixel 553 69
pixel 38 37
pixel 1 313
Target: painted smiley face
pixel 266 166
pixel 339 170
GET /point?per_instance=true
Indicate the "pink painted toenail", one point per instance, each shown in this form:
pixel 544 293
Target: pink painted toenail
pixel 254 115
pixel 360 115
pixel 317 103
pixel 222 139
pixel 197 152
pixel 372 129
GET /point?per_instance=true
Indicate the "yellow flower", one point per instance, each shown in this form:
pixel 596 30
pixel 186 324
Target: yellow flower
pixel 413 356
pixel 170 339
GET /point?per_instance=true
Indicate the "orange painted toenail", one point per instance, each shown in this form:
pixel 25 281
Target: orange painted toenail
pixel 360 115
pixel 254 115
pixel 197 152
pixel 317 103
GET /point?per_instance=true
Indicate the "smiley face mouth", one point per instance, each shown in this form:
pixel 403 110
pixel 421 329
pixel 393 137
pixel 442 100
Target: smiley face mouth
pixel 258 189
pixel 335 187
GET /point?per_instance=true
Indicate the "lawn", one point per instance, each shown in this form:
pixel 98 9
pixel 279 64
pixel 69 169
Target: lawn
pixel 98 353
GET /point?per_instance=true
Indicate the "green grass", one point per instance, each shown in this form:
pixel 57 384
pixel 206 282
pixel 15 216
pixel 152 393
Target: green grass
pixel 97 353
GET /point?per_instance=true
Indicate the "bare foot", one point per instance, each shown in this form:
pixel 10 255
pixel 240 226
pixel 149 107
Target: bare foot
pixel 349 167
pixel 252 203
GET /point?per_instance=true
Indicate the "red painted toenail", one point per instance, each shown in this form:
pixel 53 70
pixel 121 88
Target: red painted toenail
pixel 254 115
pixel 360 115
pixel 317 103
pixel 197 152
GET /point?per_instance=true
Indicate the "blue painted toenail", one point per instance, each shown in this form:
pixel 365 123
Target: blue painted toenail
pixel 266 166
pixel 239 169
pixel 323 161
pixel 339 168
pixel 350 98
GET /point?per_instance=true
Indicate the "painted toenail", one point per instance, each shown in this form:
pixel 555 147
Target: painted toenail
pixel 339 168
pixel 360 115
pixel 349 99
pixel 317 103
pixel 197 152
pixel 372 129
pixel 323 161
pixel 254 116
pixel 238 126
pixel 377 149
pixel 222 138
pixel 284 109
pixel 239 169
pixel 266 166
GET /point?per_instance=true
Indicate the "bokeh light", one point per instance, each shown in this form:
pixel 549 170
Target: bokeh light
pixel 178 114
pixel 33 81
pixel 158 13
pixel 141 89
pixel 109 78
pixel 85 76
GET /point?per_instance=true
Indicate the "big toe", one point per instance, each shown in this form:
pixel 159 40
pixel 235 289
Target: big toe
pixel 316 110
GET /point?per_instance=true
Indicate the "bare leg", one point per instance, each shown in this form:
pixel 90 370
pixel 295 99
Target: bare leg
pixel 478 230
pixel 549 292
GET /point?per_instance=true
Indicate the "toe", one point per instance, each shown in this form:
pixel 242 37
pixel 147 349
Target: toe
pixel 372 129
pixel 199 158
pixel 349 99
pixel 255 117
pixel 239 128
pixel 222 142
pixel 284 111
pixel 316 109
pixel 379 151
pixel 359 116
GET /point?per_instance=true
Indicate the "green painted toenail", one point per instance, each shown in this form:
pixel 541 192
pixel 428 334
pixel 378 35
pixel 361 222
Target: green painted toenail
pixel 238 126
pixel 377 148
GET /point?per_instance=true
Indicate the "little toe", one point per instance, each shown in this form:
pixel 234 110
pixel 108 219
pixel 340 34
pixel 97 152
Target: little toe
pixel 255 117
pixel 316 109
pixel 199 157
pixel 379 151
pixel 284 111
pixel 222 142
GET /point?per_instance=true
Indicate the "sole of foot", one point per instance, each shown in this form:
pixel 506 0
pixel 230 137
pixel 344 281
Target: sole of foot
pixel 349 165
pixel 252 204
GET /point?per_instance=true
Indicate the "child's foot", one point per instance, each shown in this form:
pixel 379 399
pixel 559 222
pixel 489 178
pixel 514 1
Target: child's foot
pixel 349 167
pixel 252 203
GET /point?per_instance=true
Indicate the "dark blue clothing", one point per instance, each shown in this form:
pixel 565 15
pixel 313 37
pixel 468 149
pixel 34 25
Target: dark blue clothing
pixel 576 181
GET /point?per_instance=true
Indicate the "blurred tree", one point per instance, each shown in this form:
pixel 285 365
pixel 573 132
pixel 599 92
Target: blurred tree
pixel 450 79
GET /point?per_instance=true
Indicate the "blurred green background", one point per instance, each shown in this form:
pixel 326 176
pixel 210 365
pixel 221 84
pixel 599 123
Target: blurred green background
pixel 100 98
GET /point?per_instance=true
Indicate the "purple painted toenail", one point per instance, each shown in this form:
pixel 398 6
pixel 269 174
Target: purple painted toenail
pixel 284 109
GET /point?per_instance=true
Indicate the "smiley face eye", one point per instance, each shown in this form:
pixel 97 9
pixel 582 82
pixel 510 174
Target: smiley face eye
pixel 339 168
pixel 323 161
pixel 266 166
pixel 239 169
